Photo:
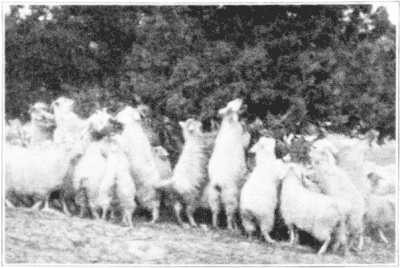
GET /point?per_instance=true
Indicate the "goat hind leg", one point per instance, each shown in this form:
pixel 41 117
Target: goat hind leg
pixel 383 237
pixel 190 211
pixel 361 242
pixel 324 246
pixel 292 234
pixel 9 204
pixel 65 208
pixel 178 211
pixel 267 236
pixel 37 205
pixel 155 212
pixel 127 218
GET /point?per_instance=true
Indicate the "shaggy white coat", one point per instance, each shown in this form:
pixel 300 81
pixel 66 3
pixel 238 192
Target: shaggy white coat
pixel 161 156
pixel 335 182
pixel 38 170
pixel 321 215
pixel 117 189
pixel 16 134
pixel 381 213
pixel 259 195
pixel 350 155
pixel 383 178
pixel 190 176
pixel 42 125
pixel 143 167
pixel 227 165
pixel 69 124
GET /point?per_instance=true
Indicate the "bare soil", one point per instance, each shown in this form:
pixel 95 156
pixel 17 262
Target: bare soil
pixel 43 237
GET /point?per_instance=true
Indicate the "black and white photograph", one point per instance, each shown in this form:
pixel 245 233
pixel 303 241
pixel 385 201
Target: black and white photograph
pixel 200 133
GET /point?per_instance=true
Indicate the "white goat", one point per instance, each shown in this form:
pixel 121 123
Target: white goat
pixel 351 155
pixel 87 178
pixel 351 159
pixel 69 124
pixel 381 213
pixel 41 170
pixel 97 126
pixel 383 178
pixel 190 174
pixel 117 189
pixel 321 215
pixel 125 186
pixel 38 171
pixel 42 125
pixel 335 182
pixel 227 165
pixel 148 123
pixel 384 153
pixel 143 167
pixel 162 161
pixel 259 195
pixel 15 133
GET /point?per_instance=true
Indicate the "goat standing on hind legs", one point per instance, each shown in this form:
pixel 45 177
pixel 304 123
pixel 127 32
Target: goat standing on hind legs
pixel 227 166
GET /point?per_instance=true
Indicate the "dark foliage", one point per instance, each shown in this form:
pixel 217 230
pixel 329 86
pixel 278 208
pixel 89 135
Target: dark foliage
pixel 291 64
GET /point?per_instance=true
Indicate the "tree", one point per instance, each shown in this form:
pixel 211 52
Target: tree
pixel 300 63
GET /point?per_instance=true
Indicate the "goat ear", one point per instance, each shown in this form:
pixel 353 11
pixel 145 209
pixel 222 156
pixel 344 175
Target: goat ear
pixel 164 152
pixel 287 158
pixel 224 111
pixel 255 148
pixel 136 116
pixel 182 124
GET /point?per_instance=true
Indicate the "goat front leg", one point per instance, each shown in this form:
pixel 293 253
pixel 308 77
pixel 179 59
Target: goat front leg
pixel 190 211
pixel 37 205
pixel 155 212
pixel 383 237
pixel 292 234
pixel 9 204
pixel 324 246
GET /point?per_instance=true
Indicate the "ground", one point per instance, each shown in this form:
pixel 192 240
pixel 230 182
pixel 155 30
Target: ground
pixel 42 237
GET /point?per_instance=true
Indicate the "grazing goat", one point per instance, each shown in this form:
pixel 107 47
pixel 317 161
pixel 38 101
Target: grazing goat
pixel 38 171
pixel 335 182
pixel 321 215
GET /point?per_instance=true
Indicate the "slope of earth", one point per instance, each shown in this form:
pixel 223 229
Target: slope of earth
pixel 43 237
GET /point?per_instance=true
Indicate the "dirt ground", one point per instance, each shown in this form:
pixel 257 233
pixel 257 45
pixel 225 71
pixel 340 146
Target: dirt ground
pixel 44 237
